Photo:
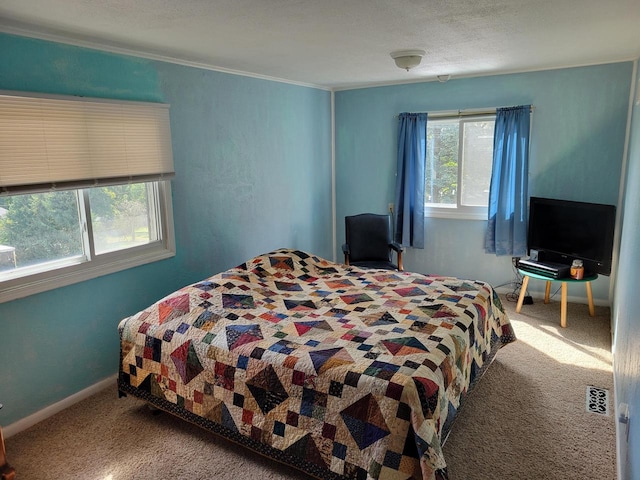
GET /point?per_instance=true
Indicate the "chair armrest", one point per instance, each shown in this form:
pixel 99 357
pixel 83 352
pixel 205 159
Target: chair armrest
pixel 396 246
pixel 346 251
pixel 399 249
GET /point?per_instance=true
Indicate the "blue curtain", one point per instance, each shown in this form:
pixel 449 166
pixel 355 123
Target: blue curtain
pixel 507 227
pixel 409 200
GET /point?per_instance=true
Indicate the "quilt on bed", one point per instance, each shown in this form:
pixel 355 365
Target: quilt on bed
pixel 339 371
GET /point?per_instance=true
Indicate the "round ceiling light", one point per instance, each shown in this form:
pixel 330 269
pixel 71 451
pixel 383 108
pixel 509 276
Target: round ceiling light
pixel 407 59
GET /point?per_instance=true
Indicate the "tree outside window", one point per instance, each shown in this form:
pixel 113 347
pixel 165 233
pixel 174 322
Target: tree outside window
pixel 458 166
pixel 46 227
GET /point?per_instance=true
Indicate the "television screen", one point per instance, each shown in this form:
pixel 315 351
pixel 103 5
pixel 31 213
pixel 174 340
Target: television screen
pixel 563 231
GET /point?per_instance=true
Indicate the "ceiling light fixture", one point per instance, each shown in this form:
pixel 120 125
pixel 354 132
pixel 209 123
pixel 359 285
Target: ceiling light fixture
pixel 407 59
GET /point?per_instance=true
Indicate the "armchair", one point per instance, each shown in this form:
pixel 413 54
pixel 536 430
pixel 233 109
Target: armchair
pixel 369 243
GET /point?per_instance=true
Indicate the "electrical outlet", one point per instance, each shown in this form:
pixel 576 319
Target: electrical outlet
pixel 391 208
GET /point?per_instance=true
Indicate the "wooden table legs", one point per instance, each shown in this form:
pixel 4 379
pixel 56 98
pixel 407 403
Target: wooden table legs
pixel 563 300
pixel 563 306
pixel 547 291
pixel 592 310
pixel 6 471
pixel 523 290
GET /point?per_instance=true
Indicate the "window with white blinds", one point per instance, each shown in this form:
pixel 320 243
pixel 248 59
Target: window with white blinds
pixel 84 189
pixel 76 142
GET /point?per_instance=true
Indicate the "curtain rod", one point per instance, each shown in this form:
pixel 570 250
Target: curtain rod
pixel 466 113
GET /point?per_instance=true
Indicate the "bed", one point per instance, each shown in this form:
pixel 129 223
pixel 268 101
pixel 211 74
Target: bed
pixel 338 371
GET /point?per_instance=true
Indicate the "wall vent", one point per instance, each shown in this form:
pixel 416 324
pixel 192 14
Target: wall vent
pixel 598 400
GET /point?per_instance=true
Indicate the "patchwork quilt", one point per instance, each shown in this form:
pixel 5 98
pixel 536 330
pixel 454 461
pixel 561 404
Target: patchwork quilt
pixel 338 371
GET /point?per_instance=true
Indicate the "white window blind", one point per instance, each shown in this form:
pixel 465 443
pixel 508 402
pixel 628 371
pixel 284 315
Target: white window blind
pixel 73 142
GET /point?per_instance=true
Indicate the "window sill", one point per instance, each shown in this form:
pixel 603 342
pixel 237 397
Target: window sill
pixel 456 214
pixel 25 286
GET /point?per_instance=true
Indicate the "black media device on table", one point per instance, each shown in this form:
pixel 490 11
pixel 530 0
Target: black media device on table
pixel 551 270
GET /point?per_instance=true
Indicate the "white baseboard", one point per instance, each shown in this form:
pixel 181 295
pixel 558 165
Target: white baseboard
pixel 51 410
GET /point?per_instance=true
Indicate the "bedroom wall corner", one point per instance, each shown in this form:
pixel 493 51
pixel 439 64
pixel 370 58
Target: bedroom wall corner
pixel 253 173
pixel 577 142
pixel 626 305
pixel 253 167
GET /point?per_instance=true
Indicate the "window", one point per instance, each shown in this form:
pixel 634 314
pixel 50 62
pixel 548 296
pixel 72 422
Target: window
pixel 83 190
pixel 458 166
pixel 52 239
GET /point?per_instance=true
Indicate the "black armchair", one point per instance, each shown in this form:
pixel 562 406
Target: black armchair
pixel 369 243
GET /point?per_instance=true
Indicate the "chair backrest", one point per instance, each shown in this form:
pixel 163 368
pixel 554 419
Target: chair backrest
pixel 368 236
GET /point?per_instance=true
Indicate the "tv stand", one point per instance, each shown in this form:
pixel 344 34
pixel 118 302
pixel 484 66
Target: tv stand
pixel 563 304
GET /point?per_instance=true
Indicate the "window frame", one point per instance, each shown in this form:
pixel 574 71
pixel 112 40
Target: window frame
pixel 458 211
pixel 89 265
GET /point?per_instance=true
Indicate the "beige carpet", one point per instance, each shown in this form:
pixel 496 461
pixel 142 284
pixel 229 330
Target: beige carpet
pixel 531 403
pixel 526 419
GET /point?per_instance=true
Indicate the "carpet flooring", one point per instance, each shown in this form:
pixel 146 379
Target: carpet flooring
pixel 526 419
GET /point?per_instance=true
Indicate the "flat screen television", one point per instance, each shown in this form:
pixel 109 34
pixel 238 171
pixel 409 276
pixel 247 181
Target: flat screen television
pixel 563 231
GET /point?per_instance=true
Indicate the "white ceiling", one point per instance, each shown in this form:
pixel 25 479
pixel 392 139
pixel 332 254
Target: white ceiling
pixel 343 43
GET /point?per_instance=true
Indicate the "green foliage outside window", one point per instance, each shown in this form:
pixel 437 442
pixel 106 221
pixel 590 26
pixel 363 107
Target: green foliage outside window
pixel 41 227
pixel 442 163
pixel 458 164
pixel 46 226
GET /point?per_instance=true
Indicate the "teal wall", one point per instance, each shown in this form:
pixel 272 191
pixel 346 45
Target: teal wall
pixel 577 143
pixel 626 309
pixel 253 173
